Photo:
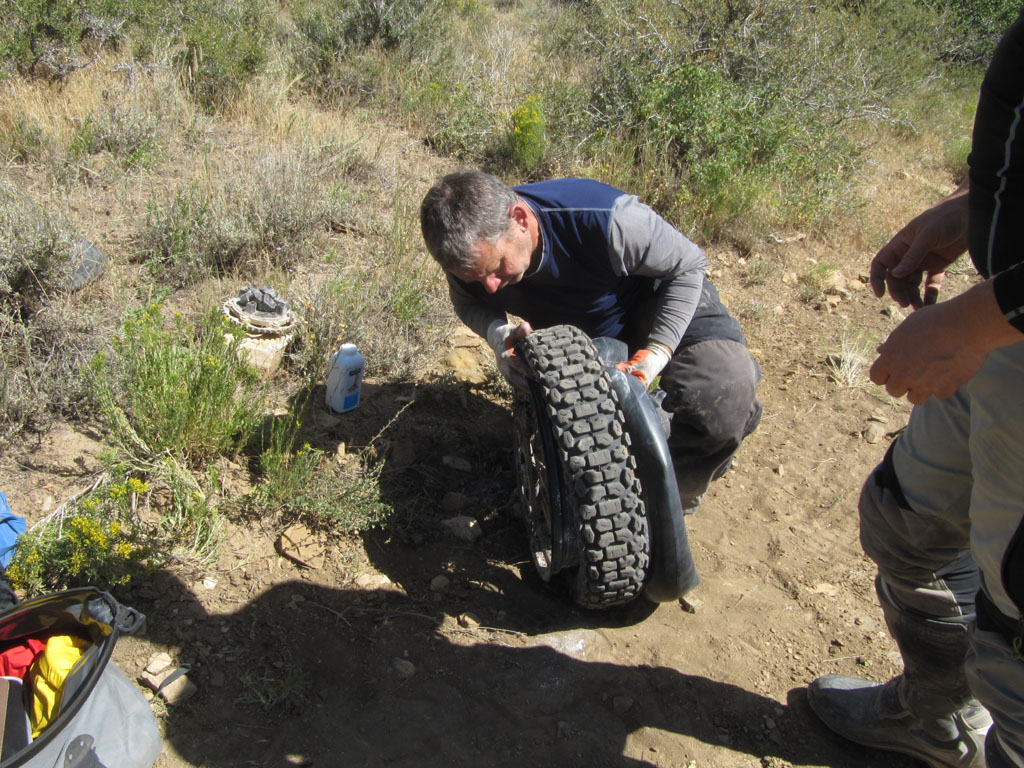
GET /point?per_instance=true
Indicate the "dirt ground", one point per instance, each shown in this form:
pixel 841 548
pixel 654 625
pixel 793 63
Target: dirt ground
pixel 420 649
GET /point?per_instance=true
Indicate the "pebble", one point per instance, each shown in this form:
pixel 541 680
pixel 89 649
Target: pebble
pixel 691 604
pixel 404 668
pixel 874 433
pixel 464 528
pixel 439 583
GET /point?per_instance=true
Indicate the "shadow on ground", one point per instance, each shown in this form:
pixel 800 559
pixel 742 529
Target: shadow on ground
pixel 310 674
pixel 307 675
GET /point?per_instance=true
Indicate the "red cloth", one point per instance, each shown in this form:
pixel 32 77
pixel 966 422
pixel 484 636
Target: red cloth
pixel 15 660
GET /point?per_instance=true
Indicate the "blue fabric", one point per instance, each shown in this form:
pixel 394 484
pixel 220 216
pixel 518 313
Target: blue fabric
pixel 11 528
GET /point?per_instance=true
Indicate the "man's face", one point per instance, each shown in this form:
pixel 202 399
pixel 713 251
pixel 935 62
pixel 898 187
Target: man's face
pixel 500 263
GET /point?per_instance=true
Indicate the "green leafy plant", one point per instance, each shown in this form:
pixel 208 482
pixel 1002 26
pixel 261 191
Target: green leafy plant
pixel 303 483
pixel 225 46
pixel 526 137
pixel 96 539
pixel 126 133
pixel 272 215
pixel 181 391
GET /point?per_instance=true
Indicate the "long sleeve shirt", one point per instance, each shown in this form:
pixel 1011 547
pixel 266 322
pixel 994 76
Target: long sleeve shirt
pixel 605 255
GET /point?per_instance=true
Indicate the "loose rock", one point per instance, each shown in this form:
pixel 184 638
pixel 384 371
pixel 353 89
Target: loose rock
pixel 464 528
pixel 403 668
pixel 439 583
pixel 691 604
pixel 874 433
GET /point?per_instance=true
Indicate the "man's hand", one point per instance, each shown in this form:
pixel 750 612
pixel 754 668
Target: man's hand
pixel 647 363
pixel 937 349
pixel 922 250
pixel 503 337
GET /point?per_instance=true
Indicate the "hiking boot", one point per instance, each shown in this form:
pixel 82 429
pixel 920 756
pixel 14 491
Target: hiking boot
pixel 875 715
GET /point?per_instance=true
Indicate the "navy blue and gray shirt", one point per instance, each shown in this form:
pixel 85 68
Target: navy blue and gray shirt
pixel 610 265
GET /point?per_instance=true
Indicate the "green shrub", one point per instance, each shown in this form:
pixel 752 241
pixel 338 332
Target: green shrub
pixel 304 483
pixel 336 49
pixel 526 136
pixel 182 392
pixel 95 540
pixel 127 133
pixel 225 46
pixel 35 250
pixel 45 336
pixel 273 214
pixel 42 37
pixel 739 115
pixel 980 24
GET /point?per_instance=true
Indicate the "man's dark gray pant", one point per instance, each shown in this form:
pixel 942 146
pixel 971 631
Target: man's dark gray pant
pixel 710 391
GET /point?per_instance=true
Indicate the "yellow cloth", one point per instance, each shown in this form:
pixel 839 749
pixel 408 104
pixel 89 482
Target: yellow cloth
pixel 47 675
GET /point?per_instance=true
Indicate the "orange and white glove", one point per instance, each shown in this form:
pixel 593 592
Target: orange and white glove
pixel 647 363
pixel 502 338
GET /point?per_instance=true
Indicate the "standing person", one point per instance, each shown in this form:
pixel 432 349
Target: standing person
pixel 579 252
pixel 942 516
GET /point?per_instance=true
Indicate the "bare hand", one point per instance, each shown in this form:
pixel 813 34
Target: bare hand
pixel 937 349
pixel 921 252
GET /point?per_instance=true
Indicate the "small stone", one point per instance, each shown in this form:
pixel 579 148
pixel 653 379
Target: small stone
pixel 175 692
pixel 564 729
pixel 439 583
pixel 403 668
pixel 780 471
pixel 468 620
pixel 836 284
pixel 622 704
pixel 326 420
pixel 874 433
pixel 467 366
pixel 372 581
pixel 464 528
pixel 691 604
pixel 457 463
pixel 299 760
pixel 158 662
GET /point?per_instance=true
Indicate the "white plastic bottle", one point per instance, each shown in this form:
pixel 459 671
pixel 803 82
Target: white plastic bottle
pixel 344 379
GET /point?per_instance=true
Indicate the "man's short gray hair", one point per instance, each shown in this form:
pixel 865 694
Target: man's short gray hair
pixel 459 211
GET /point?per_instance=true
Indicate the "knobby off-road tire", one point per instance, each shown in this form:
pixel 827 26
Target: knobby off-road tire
pixel 583 508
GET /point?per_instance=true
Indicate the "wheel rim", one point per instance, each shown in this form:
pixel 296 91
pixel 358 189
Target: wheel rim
pixel 538 489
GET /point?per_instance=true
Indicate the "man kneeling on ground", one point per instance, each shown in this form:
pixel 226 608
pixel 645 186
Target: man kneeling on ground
pixel 582 253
